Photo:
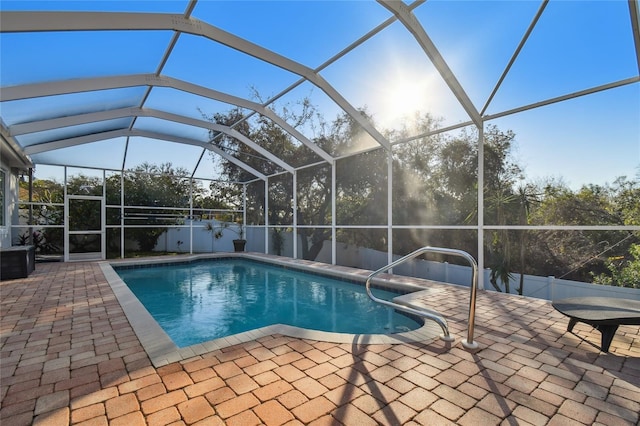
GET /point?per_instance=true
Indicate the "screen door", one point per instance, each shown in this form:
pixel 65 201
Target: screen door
pixel 85 228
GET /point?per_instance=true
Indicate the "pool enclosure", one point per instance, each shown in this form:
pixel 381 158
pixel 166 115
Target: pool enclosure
pixel 346 132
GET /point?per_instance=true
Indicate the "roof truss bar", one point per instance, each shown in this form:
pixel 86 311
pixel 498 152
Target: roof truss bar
pixel 143 112
pixel 71 120
pixel 405 140
pixel 562 98
pixel 219 128
pixel 634 12
pixel 116 82
pixel 244 103
pixel 163 61
pixel 207 146
pixel 108 21
pixel 79 140
pixel 65 87
pixel 96 137
pixel 434 132
pixel 409 20
pixel 515 55
pixel 173 41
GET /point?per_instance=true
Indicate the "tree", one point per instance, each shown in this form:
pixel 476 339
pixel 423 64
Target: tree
pixel 622 272
pixel 580 255
pixel 358 179
pixel 435 183
pixel 147 187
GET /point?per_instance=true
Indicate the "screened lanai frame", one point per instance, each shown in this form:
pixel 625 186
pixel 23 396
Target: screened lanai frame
pixel 112 124
pixel 174 217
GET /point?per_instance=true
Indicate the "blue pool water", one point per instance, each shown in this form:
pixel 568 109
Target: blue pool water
pixel 203 300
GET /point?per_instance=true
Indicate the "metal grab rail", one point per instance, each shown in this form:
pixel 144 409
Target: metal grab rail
pixel 468 343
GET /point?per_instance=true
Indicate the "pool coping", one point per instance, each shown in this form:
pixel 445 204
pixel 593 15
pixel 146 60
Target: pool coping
pixel 162 351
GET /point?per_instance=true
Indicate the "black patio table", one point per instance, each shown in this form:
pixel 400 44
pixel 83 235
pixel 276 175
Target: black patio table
pixel 603 313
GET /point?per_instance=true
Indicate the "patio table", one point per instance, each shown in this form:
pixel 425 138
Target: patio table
pixel 603 313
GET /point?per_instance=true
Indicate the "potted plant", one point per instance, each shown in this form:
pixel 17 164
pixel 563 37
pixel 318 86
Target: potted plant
pixel 217 232
pixel 239 243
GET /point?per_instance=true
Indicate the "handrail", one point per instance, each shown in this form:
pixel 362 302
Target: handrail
pixel 468 343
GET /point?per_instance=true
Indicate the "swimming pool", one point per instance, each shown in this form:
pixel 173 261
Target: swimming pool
pixel 198 301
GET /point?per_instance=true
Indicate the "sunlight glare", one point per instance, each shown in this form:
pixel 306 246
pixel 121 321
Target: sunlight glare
pixel 402 94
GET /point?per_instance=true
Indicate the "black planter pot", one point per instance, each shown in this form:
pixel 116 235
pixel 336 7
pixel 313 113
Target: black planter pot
pixel 238 245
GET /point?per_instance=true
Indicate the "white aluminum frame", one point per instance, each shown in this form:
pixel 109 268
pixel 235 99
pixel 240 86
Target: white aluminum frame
pixel 184 24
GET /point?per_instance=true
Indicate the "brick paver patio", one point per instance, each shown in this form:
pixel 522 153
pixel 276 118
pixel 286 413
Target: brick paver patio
pixel 70 356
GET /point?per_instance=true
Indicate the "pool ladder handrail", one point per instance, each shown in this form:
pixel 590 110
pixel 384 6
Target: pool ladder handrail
pixel 432 315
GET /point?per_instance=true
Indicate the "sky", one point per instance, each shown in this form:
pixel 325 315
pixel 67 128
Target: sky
pixel 576 45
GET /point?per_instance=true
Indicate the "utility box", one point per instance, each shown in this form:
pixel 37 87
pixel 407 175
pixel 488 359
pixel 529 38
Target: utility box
pixel 17 262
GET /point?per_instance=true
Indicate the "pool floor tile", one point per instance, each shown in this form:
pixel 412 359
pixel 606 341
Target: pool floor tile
pixel 69 355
